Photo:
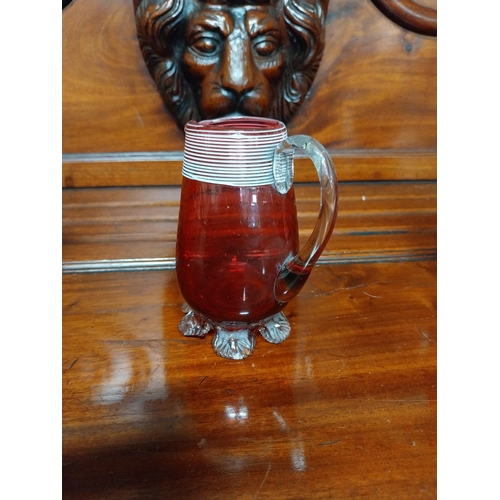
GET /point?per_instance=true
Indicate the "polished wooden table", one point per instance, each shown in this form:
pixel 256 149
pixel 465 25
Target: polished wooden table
pixel 344 408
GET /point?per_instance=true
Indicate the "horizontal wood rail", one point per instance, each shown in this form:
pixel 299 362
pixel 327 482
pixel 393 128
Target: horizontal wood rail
pixel 134 229
pixel 164 167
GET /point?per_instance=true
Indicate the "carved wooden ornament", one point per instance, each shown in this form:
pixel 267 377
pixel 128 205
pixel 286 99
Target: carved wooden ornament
pixel 410 15
pixel 212 58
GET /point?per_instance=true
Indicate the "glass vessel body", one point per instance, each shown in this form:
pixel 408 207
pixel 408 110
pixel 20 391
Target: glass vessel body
pixel 232 242
pixel 238 260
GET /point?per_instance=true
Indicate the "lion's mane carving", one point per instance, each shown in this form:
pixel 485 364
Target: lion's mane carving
pixel 161 29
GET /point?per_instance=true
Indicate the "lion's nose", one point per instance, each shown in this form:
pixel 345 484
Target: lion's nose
pixel 237 66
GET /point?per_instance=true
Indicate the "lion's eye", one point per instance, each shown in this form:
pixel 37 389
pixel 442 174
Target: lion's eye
pixel 265 47
pixel 205 45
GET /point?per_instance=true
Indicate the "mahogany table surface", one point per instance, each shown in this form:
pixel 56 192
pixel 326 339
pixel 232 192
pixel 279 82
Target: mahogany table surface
pixel 344 408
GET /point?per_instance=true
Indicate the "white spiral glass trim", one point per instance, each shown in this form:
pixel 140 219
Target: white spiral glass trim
pixel 236 151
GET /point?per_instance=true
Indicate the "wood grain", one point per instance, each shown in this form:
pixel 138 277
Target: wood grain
pixel 110 102
pixel 344 408
pixel 376 221
pixel 375 91
pixel 410 15
pixel 376 87
pixel 82 171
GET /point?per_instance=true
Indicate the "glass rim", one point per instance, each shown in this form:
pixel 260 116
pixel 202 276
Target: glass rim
pixel 250 125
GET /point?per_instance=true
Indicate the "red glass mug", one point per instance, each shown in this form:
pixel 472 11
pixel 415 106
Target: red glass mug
pixel 238 259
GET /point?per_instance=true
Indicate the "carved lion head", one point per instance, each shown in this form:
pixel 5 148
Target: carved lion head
pixel 212 58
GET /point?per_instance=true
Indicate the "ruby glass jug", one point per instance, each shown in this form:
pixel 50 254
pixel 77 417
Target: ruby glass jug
pixel 238 260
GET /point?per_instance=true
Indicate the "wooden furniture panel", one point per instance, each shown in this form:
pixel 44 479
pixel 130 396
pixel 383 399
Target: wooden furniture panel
pixel 376 87
pixel 110 102
pixel 376 221
pixel 372 104
pixel 80 171
pixel 344 408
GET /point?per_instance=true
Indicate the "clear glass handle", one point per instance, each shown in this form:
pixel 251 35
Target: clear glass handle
pixel 296 270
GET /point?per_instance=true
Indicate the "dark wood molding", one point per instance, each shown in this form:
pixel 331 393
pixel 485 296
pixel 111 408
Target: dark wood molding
pixel 134 229
pixel 410 15
pixel 163 168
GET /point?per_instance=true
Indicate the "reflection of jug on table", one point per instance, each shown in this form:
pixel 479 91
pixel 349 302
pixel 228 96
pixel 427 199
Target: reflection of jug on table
pixel 238 257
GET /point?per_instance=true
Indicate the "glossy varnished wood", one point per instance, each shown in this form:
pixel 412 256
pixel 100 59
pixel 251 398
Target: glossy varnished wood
pixel 344 408
pixel 81 171
pixel 376 221
pixel 374 78
pixel 372 103
pixel 415 16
